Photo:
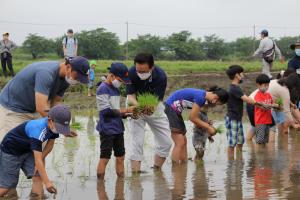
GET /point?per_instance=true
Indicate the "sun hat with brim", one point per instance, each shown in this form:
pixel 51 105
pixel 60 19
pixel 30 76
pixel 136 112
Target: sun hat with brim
pixel 6 33
pixel 293 46
pixel 61 116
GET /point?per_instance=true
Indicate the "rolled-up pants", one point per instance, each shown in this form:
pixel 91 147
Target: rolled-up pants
pixel 10 119
pixel 159 125
pixel 266 68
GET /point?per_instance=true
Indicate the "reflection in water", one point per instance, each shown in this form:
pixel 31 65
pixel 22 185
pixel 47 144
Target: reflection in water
pixel 179 181
pixel 271 173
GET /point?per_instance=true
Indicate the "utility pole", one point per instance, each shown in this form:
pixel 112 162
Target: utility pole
pixel 254 38
pixel 126 53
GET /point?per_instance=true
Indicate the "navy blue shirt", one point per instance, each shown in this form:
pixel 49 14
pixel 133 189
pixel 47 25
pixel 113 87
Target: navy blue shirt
pixel 294 63
pixel 27 137
pixel 155 85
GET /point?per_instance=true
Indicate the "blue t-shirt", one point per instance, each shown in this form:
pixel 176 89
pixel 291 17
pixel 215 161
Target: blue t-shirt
pixel 92 74
pixel 27 137
pixel 19 94
pixel 179 100
pixel 155 85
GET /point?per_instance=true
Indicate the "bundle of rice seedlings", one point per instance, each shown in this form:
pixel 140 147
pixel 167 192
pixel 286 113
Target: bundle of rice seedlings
pixel 147 104
pixel 279 102
pixel 76 126
pixel 219 129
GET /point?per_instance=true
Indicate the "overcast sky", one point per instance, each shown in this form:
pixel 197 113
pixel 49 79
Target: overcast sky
pixel 227 18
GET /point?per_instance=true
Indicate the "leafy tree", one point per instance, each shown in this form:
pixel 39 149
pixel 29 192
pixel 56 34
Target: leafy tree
pixel 98 44
pixel 37 45
pixel 146 44
pixel 185 47
pixel 284 45
pixel 214 47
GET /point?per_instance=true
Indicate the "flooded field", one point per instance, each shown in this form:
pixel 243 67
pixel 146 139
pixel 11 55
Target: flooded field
pixel 273 173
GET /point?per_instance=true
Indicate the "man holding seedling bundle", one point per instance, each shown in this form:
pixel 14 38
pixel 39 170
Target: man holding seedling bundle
pixel 147 78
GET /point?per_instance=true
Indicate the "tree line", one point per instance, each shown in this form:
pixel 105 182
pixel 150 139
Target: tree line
pixel 102 44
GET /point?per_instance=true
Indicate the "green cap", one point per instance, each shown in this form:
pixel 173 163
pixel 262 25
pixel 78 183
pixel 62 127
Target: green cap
pixel 93 62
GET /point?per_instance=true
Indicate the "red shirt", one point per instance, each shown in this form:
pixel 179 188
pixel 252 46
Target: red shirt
pixel 262 116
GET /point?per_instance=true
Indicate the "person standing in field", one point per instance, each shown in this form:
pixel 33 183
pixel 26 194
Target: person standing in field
pixel 267 50
pixel 110 124
pixel 93 64
pixel 6 46
pixel 148 78
pixel 70 45
pixel 294 63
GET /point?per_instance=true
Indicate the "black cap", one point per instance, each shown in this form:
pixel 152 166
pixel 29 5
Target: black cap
pixel 81 66
pixel 61 116
pixel 120 70
pixel 70 31
pixel 293 46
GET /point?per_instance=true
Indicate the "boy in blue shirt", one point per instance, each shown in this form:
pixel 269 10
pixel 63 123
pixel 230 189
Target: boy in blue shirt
pixel 110 124
pixel 93 64
pixel 21 148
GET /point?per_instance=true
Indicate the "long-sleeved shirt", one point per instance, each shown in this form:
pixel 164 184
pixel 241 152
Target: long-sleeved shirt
pixel 266 44
pixel 108 103
pixel 7 46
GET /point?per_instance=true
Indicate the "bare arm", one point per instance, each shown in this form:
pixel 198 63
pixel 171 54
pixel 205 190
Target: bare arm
pixel 248 100
pixel 48 148
pixel 194 117
pixel 76 48
pixel 39 165
pixel 41 104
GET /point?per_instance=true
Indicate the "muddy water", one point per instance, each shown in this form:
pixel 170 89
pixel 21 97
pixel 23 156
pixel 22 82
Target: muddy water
pixel 271 173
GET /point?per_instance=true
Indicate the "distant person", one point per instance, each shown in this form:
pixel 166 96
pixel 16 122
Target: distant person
pixel 22 149
pixel 93 64
pixel 6 46
pixel 110 124
pixel 146 77
pixel 267 50
pixel 294 63
pixel 194 99
pixel 70 45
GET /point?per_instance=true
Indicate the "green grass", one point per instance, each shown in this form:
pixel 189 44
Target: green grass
pixel 171 67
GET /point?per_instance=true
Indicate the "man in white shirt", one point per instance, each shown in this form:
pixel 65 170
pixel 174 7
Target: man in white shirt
pixel 267 50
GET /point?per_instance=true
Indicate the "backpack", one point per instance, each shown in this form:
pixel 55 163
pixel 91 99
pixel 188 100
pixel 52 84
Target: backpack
pixel 66 39
pixel 269 55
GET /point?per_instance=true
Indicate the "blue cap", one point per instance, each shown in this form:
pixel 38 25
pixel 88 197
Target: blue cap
pixel 61 116
pixel 264 31
pixel 120 70
pixel 81 66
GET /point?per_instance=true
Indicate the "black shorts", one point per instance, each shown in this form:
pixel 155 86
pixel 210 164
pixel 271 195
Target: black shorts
pixel 176 121
pixel 111 142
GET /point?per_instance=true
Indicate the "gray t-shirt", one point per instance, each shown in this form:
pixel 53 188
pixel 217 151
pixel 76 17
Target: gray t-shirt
pixel 70 45
pixel 19 93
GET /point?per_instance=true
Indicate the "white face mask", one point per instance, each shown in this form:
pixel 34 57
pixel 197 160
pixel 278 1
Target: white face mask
pixel 71 81
pixel 264 89
pixel 144 76
pixel 116 83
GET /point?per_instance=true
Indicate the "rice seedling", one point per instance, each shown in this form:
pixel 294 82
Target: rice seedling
pixel 279 102
pixel 219 129
pixel 76 126
pixel 146 104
